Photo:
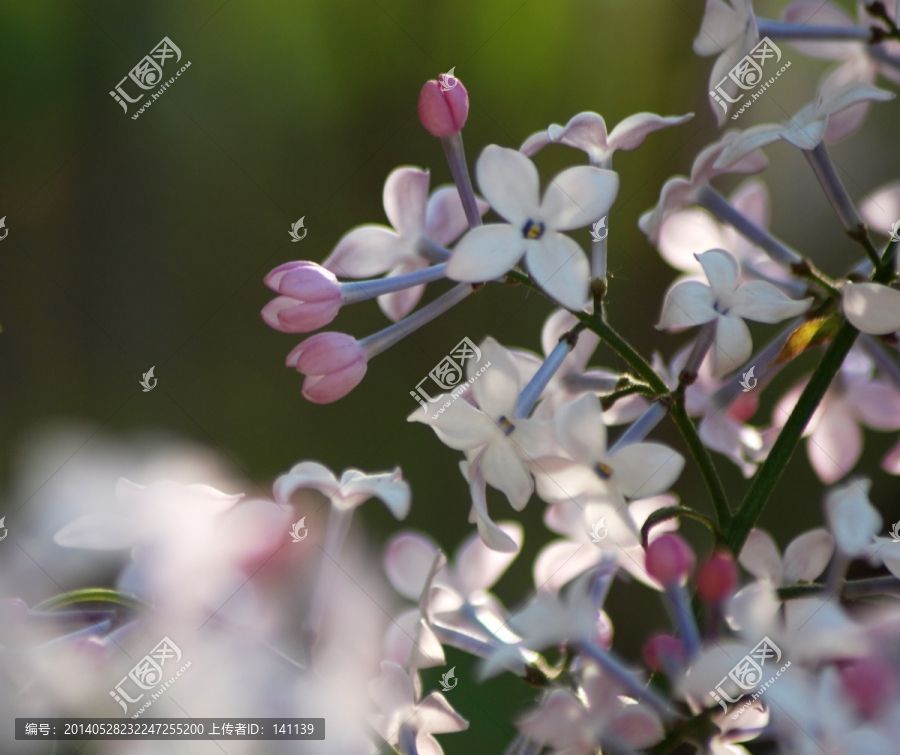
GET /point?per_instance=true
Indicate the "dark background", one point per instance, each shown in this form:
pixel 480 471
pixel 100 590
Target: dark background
pixel 139 243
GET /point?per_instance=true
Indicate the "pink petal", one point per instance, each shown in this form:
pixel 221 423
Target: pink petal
pixel 878 404
pixel 367 251
pixel 407 561
pixel 835 445
pixel 631 132
pixel 820 14
pixel 445 219
pixel 872 308
pixel 405 196
pixel 761 558
pixel 881 210
pixel 807 555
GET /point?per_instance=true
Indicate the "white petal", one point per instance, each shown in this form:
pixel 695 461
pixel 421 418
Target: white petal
pixel 687 304
pixel 748 142
pixel 878 404
pixel 585 131
pixel 841 124
pixel 509 181
pixel 578 196
pixel 436 716
pixel 881 210
pixel 851 93
pixel 580 429
pixel 485 253
pixel 99 532
pixel 718 29
pixel 390 488
pixel 399 304
pixel 687 233
pixel 504 470
pixel 761 558
pixel 805 131
pixel 478 567
pixel 445 219
pixel 872 308
pixel 497 389
pixel 825 14
pixel 393 690
pixel 407 561
pixel 631 132
pixel 492 534
pixel 762 302
pixel 560 268
pixel 561 561
pixel 307 474
pixel 733 345
pixel 559 481
pixel 807 555
pixel 835 445
pixel 722 272
pixel 751 199
pixel 367 251
pixel 405 196
pixel 645 469
pixel 535 143
pixel 852 519
pixel 558 721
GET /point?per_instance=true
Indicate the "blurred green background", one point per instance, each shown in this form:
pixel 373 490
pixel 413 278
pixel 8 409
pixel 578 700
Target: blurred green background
pixel 139 243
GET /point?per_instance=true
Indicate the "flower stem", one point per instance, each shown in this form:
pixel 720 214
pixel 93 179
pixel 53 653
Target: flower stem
pixel 773 29
pixel 532 392
pixel 355 291
pixel 776 462
pixel 456 159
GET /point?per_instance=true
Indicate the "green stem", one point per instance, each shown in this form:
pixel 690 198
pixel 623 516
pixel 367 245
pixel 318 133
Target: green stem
pixel 704 461
pixel 776 462
pixel 670 512
pixel 610 399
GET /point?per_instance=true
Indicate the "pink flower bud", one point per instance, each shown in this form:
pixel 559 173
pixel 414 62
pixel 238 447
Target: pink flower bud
pixel 744 406
pixel 663 652
pixel 669 560
pixel 869 682
pixel 334 364
pixel 717 579
pixel 311 297
pixel 443 113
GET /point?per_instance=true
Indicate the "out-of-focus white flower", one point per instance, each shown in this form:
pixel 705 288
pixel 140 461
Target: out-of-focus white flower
pixel 872 308
pixel 854 399
pixel 881 210
pixel 575 198
pixel 587 132
pixel 857 64
pixel 691 303
pixel 495 442
pixel 553 618
pixel 678 191
pixel 371 250
pixel 565 723
pixel 805 558
pixel 352 490
pixel 851 517
pixel 808 126
pixel 592 473
pixel 728 30
pixel 397 696
pixel 686 233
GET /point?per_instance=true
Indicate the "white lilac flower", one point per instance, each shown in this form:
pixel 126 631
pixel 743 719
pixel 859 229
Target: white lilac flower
pixel 872 308
pixel 496 443
pixel 881 209
pixel 569 381
pixel 591 472
pixel 417 219
pixel 851 517
pixel 805 557
pixel 352 490
pixel 729 30
pixel 678 191
pixel 587 132
pixel 857 64
pixel 575 198
pixel 573 727
pixel 807 127
pixel 691 231
pixel 397 695
pixel 617 533
pixel 724 301
pixel 854 400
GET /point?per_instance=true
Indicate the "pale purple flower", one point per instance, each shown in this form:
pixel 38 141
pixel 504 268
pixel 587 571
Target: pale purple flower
pixel 575 198
pixel 857 64
pixel 872 307
pixel 729 31
pixel 352 490
pixel 496 443
pixel 591 472
pixel 691 303
pixel 587 132
pixel 855 399
pixel 417 219
pixel 805 557
pixel 807 127
pixel 573 727
pixel 678 191
pixel 397 695
pixel 851 517
pixel 881 210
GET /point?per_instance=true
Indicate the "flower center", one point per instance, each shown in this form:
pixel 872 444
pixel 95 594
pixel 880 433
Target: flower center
pixel 722 311
pixel 507 426
pixel 604 471
pixel 532 230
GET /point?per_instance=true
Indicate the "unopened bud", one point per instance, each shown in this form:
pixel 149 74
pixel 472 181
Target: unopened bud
pixel 717 579
pixel 443 112
pixel 669 560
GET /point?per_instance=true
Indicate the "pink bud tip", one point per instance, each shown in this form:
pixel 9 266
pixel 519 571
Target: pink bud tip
pixel 744 406
pixel 869 682
pixel 717 579
pixel 663 651
pixel 669 559
pixel 334 364
pixel 311 297
pixel 443 113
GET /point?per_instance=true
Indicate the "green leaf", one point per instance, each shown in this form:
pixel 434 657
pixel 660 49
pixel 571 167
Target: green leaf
pixel 91 595
pixel 812 333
